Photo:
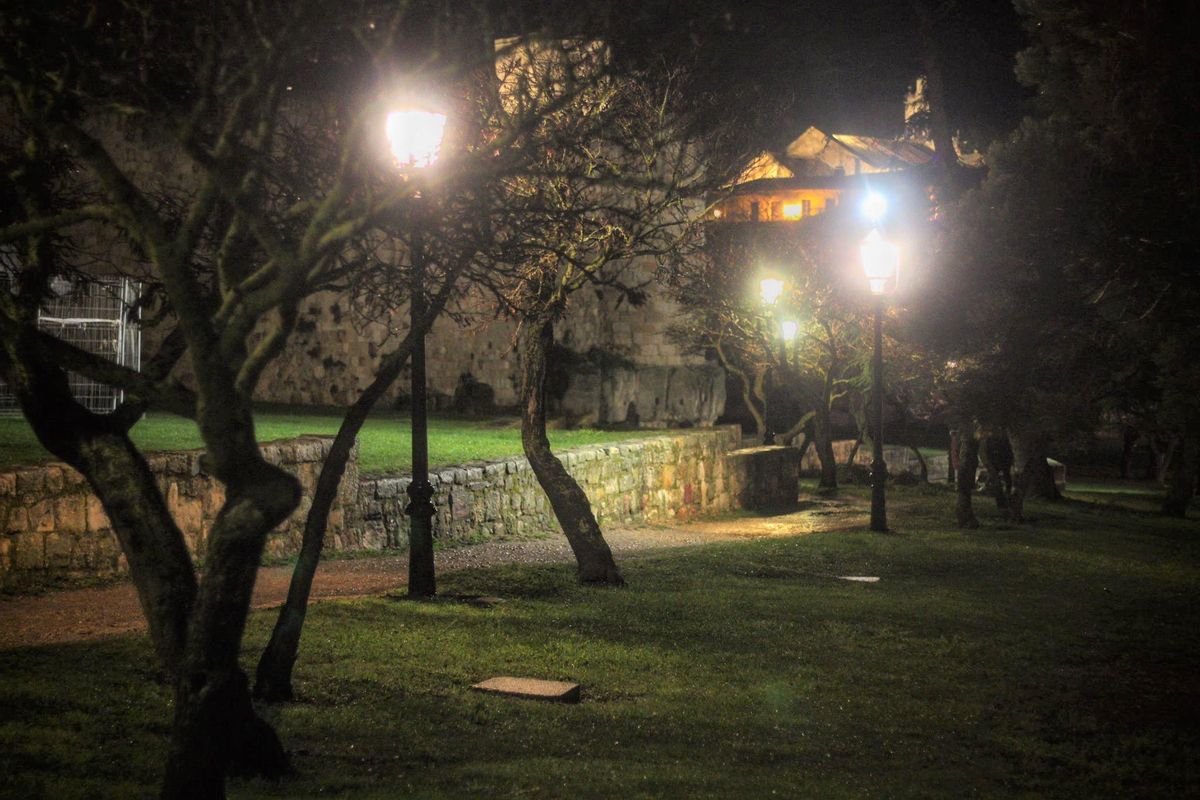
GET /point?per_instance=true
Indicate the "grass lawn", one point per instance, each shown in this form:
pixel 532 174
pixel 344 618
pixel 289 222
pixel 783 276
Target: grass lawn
pixel 384 443
pixel 1058 659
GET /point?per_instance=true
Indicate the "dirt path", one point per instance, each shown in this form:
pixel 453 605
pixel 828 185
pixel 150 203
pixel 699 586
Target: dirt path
pixel 75 615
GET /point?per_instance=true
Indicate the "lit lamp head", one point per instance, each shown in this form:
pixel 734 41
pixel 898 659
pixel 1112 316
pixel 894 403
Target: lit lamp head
pixel 415 136
pixel 874 207
pixel 881 263
pixel 788 329
pixel 771 290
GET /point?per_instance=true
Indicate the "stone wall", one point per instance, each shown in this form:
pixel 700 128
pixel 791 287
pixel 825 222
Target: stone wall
pixel 902 460
pixel 676 476
pixel 53 524
pixel 616 357
pixel 899 459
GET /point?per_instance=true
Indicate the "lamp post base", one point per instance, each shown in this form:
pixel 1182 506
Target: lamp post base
pixel 421 578
pixel 878 502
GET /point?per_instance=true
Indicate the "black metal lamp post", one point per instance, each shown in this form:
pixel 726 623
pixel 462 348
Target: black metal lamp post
pixel 415 136
pixel 789 329
pixel 771 289
pixel 881 264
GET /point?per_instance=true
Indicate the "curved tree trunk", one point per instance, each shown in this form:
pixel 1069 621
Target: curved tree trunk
pixel 923 474
pixel 964 482
pixel 570 503
pixel 273 677
pixel 159 564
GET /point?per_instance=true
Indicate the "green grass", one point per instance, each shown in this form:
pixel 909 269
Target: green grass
pixel 1055 659
pixel 384 442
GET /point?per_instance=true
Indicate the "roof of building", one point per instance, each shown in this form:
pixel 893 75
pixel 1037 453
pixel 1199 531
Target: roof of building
pixel 887 154
pixel 803 156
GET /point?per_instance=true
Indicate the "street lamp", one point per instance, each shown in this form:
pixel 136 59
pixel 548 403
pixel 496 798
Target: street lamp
pixel 881 265
pixel 788 330
pixel 770 289
pixel 415 136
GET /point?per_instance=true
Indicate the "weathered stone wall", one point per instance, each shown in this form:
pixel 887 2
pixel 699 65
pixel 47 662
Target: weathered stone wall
pixel 54 524
pixel 621 359
pixel 903 460
pixel 672 476
pixel 899 459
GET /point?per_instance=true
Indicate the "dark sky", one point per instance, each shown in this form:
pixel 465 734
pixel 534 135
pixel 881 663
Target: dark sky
pixel 845 65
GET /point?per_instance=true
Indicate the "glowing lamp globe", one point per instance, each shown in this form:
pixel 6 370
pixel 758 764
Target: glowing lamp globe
pixel 771 289
pixel 788 329
pixel 874 207
pixel 881 263
pixel 415 136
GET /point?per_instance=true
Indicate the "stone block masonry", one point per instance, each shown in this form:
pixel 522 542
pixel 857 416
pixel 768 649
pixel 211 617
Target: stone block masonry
pixel 674 476
pixel 54 526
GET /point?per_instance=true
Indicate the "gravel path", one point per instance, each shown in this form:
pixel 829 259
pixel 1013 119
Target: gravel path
pixel 75 615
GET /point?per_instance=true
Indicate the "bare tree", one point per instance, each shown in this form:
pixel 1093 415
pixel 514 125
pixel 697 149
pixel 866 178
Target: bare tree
pixel 235 152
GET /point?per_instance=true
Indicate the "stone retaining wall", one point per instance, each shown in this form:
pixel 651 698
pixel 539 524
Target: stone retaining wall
pixel 666 477
pixel 53 525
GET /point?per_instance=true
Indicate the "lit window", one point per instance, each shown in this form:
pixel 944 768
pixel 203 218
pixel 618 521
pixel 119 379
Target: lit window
pixel 792 211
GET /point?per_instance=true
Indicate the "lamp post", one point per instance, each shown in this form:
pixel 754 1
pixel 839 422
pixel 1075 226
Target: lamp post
pixel 415 136
pixel 788 331
pixel 881 265
pixel 770 289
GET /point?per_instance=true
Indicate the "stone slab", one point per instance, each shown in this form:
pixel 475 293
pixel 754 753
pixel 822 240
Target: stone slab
pixel 530 689
pixel 859 578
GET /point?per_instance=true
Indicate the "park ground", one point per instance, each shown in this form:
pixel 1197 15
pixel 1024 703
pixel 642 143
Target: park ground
pixel 1053 659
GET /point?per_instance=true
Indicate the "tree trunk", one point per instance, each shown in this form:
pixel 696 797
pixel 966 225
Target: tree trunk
pixel 159 564
pixel 923 474
pixel 570 503
pixel 964 482
pixel 1183 480
pixel 215 730
pixel 997 468
pixel 747 390
pixel 1032 476
pixel 1129 438
pixel 273 678
pixel 952 458
pixel 1163 458
pixel 823 438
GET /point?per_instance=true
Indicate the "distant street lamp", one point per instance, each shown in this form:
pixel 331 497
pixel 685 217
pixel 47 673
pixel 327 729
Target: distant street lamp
pixel 788 330
pixel 881 265
pixel 771 289
pixel 415 136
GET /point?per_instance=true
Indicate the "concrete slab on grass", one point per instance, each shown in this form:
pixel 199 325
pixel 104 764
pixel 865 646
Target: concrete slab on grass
pixel 530 689
pixel 859 578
